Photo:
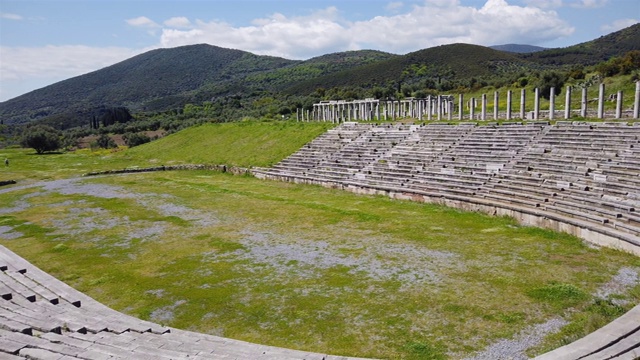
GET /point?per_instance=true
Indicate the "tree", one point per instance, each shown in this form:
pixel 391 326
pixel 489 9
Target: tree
pixel 106 142
pixel 41 138
pixel 550 80
pixel 135 139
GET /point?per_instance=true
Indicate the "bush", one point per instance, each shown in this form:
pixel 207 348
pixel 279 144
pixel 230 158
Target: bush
pixel 106 142
pixel 550 80
pixel 41 138
pixel 135 139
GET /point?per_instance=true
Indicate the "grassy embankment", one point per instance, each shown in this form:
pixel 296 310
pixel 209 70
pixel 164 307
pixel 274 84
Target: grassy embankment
pixel 241 144
pixel 299 266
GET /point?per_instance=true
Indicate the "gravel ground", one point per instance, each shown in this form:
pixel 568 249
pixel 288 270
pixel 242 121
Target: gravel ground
pixel 515 349
pixel 371 256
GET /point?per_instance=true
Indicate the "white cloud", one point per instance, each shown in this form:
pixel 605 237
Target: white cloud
pixel 277 35
pixel 436 22
pixel 545 4
pixel 142 21
pixel 394 6
pixel 590 4
pixel 178 22
pixel 618 25
pixel 10 16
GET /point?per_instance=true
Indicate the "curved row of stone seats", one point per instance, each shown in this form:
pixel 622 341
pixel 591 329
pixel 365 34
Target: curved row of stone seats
pixel 43 318
pixel 619 340
pixel 368 147
pixel 590 181
pixel 582 174
pixel 460 164
pixel 321 147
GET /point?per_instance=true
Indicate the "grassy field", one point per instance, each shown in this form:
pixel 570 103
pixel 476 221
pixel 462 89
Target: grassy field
pixel 295 265
pixel 236 144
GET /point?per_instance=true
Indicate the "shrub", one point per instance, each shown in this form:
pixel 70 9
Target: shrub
pixel 135 139
pixel 106 142
pixel 550 80
pixel 41 138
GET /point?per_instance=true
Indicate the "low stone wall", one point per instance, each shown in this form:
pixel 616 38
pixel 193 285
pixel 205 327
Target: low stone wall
pixel 7 182
pixel 220 168
pixel 590 232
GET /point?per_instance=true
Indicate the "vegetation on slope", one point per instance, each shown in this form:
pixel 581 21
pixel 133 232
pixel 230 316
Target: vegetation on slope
pixel 591 52
pixel 168 79
pixel 243 144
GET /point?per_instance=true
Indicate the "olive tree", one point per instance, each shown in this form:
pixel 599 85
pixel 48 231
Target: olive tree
pixel 41 138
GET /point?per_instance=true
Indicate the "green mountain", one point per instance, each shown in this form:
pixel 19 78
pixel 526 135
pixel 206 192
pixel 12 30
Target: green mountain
pixel 167 79
pixel 157 75
pixel 518 48
pixel 591 52
pixel 440 63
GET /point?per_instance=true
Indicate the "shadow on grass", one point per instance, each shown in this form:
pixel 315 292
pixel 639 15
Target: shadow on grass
pixel 46 153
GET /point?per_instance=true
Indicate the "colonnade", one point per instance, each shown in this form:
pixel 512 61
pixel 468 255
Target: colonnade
pixel 444 107
pixel 432 107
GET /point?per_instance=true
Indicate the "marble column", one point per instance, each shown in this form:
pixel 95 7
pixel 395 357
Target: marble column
pixel 508 115
pixel 583 102
pixel 523 93
pixel 483 114
pixel 536 104
pixel 552 102
pixel 636 102
pixel 461 107
pixel 601 101
pixel 619 105
pixel 472 108
pixel 495 105
pixel 567 103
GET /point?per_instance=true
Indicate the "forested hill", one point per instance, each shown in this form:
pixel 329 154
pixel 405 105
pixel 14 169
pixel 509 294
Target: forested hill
pixel 591 52
pixel 423 68
pixel 518 48
pixel 154 75
pixel 167 79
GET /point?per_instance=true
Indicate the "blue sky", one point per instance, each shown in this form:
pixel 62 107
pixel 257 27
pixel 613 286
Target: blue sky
pixel 42 42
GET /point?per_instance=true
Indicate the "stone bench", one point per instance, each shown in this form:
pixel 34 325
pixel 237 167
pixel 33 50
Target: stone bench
pixel 619 337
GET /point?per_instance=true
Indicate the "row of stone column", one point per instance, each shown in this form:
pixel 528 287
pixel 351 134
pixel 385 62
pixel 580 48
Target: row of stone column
pixel 373 109
pixel 442 107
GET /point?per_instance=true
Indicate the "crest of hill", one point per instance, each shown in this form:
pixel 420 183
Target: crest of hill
pixel 518 48
pixel 163 79
pixel 452 61
pixel 166 74
pixel 591 52
pixel 300 71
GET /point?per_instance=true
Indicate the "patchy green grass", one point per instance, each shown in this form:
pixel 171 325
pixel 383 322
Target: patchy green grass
pixel 311 268
pixel 243 144
pixel 240 144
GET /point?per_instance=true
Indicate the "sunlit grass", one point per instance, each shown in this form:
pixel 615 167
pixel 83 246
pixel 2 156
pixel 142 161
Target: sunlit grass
pixel 312 268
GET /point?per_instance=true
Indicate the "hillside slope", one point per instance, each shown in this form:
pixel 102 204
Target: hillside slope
pixel 239 144
pixel 591 52
pixel 442 62
pixel 167 79
pixel 518 48
pixel 140 80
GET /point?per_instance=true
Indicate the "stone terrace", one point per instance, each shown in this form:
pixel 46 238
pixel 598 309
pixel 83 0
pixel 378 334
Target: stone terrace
pixel 43 318
pixel 582 178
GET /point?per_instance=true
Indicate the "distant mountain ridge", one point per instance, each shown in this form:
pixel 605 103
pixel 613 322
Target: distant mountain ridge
pixel 518 48
pixel 165 79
